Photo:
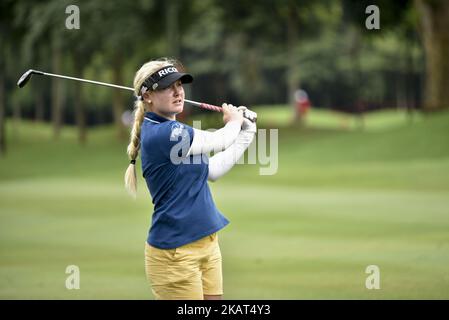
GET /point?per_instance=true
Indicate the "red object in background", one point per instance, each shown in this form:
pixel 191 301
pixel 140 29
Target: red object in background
pixel 302 102
pixel 303 106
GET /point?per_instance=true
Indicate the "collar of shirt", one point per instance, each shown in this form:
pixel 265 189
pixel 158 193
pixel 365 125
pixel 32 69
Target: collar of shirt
pixel 155 118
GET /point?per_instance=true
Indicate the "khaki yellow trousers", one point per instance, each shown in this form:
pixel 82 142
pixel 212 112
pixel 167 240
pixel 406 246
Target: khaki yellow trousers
pixel 187 272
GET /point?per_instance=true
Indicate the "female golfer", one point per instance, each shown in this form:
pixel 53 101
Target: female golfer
pixel 182 255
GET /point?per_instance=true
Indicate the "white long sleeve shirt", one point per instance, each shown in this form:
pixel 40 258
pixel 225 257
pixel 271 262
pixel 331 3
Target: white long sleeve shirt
pixel 228 143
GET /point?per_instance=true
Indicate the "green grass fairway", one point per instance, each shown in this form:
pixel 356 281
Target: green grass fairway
pixel 342 199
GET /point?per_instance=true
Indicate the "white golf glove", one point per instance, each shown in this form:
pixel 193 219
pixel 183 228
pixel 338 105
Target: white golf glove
pixel 248 125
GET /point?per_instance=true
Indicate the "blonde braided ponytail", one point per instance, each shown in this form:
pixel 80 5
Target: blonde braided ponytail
pixel 140 106
pixel 134 147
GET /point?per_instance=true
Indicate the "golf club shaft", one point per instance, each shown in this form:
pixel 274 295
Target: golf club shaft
pixel 88 81
pixel 198 104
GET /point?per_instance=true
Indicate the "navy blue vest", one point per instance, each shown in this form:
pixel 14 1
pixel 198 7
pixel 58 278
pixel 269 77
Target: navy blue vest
pixel 184 210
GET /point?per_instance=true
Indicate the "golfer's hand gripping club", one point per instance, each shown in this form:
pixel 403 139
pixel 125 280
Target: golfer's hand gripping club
pixel 248 125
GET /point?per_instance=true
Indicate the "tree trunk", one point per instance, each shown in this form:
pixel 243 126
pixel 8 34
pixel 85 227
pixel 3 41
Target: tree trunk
pixel 118 98
pixel 293 83
pixel 80 115
pixel 357 101
pixel 434 28
pixel 56 88
pixel 16 116
pixel 172 28
pixel 40 103
pixel 16 111
pixel 2 114
pixel 401 90
pixel 410 82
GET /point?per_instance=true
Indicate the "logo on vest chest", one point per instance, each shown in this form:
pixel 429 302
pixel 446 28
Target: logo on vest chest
pixel 177 130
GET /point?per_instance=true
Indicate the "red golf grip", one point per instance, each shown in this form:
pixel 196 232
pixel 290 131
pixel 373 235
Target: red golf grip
pixel 211 107
pixel 219 109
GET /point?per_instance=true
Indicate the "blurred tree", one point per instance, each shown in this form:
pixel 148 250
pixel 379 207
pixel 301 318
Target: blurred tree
pixel 172 27
pixel 284 24
pixel 31 56
pixel 2 107
pixel 123 31
pixel 81 44
pixel 203 51
pixel 244 52
pixel 117 31
pixel 11 34
pixel 44 23
pixel 79 108
pixel 5 23
pixel 434 17
pixel 290 14
pixel 397 34
pixel 57 88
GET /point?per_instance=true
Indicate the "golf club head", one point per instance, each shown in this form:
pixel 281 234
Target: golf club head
pixel 26 77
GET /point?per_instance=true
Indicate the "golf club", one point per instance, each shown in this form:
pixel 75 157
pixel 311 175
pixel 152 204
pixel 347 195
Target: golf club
pixel 27 76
